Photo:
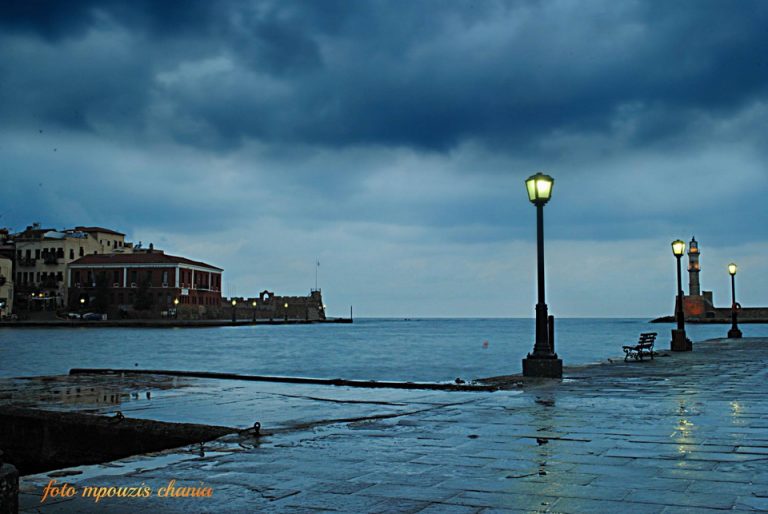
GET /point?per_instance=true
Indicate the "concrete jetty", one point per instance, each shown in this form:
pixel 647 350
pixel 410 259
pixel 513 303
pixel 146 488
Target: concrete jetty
pixel 685 432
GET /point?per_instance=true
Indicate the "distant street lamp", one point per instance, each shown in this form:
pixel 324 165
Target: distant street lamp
pixel 234 311
pixel 176 308
pixel 543 362
pixel 734 332
pixel 285 306
pixel 680 342
pixel 253 304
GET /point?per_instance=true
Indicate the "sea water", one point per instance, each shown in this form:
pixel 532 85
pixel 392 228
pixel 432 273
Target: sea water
pixel 377 349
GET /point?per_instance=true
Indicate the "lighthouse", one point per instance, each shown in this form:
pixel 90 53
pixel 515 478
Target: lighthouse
pixel 694 288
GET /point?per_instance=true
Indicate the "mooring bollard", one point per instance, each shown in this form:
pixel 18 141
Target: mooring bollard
pixel 9 488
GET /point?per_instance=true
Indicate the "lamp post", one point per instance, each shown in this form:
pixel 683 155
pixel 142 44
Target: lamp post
pixel 679 342
pixel 234 311
pixel 176 308
pixel 734 332
pixel 543 362
pixel 253 304
pixel 285 306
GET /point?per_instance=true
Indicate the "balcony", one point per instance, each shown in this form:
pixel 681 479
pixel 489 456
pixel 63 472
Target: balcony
pixel 26 262
pixel 50 259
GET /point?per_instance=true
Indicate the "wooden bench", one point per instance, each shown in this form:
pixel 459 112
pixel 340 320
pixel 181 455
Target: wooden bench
pixel 643 347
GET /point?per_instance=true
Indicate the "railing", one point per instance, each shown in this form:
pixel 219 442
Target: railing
pixel 26 261
pixel 50 259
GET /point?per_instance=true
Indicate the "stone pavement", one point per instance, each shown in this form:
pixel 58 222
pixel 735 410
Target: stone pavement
pixel 682 433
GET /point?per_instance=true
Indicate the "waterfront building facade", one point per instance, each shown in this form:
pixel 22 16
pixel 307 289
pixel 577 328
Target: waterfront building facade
pixel 6 287
pixel 145 280
pixel 42 257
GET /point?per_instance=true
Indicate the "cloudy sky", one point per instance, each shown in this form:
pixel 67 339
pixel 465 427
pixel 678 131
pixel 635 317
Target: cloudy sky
pixel 390 140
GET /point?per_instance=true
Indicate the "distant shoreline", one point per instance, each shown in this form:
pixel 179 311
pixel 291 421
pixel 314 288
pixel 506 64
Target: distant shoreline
pixel 163 323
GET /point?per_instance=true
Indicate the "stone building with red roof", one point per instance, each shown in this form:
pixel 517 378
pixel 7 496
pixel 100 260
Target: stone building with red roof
pixel 121 281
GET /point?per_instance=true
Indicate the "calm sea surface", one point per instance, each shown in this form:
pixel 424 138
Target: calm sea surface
pixel 379 349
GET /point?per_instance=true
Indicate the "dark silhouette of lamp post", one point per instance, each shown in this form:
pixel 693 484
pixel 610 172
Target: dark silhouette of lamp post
pixel 543 362
pixel 234 311
pixel 734 332
pixel 680 342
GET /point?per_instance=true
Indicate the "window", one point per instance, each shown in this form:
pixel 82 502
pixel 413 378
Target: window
pixel 72 254
pixel 165 277
pixel 82 252
pixel 77 276
pixel 18 277
pixel 18 254
pixel 60 276
pixel 37 253
pixel 133 276
pixel 116 277
pixel 60 253
pixel 109 243
pixel 29 253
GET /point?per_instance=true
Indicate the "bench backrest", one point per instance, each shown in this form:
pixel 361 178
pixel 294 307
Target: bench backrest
pixel 647 337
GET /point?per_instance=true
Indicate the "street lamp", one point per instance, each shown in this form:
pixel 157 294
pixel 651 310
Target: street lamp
pixel 734 332
pixel 176 308
pixel 234 311
pixel 253 304
pixel 679 342
pixel 285 306
pixel 543 362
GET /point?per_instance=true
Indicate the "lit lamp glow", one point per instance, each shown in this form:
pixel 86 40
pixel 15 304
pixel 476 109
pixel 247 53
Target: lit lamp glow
pixel 732 269
pixel 539 188
pixel 234 310
pixel 678 248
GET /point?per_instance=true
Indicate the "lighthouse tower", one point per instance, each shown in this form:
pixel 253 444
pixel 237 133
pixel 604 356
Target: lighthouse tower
pixel 694 288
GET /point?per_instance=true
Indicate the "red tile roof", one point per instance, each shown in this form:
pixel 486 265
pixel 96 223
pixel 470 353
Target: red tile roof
pixel 99 229
pixel 155 257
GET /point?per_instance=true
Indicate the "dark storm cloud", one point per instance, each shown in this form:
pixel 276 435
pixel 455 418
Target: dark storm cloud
pixel 424 75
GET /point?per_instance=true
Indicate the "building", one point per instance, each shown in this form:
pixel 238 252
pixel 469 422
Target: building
pixel 270 306
pixel 145 280
pixel 42 257
pixel 696 304
pixel 6 287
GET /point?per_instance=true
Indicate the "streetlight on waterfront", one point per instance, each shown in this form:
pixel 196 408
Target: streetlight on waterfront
pixel 176 308
pixel 734 332
pixel 543 362
pixel 285 306
pixel 253 304
pixel 680 342
pixel 234 311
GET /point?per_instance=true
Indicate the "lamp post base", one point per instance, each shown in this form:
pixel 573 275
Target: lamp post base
pixel 544 367
pixel 734 333
pixel 680 343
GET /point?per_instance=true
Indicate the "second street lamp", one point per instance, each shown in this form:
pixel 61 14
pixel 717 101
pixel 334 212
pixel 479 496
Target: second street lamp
pixel 543 362
pixel 253 304
pixel 734 332
pixel 680 342
pixel 234 311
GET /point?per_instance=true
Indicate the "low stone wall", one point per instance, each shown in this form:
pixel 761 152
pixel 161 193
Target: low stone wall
pixel 35 441
pixel 9 489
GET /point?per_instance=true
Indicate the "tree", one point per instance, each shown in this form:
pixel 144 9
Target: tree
pixel 144 299
pixel 101 293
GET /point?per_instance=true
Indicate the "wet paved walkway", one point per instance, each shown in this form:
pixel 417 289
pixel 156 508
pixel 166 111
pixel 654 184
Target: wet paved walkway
pixel 682 433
